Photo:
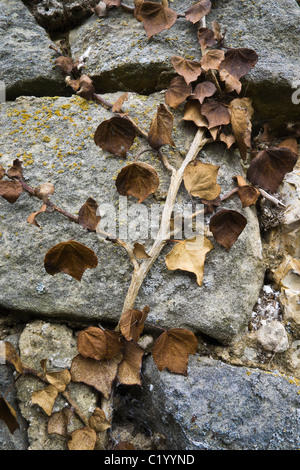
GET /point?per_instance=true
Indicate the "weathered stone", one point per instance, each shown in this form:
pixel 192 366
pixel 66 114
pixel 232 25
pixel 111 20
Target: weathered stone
pixel 54 138
pixel 221 407
pixel 26 62
pixel 273 337
pixel 123 59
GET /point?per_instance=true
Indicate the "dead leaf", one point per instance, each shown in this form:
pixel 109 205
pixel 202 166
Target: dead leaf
pixel 70 257
pixel 83 439
pixel 87 215
pixel 200 180
pixel 226 226
pixel 91 343
pixel 60 379
pixel 247 194
pixel 124 445
pixel 98 421
pixel 241 112
pixel 59 421
pixel 214 131
pixel 231 83
pixel 115 135
pixel 155 17
pixel 291 143
pixel 44 191
pixel 15 171
pixel 117 107
pixel 139 251
pixel 190 70
pixel 45 398
pixel 66 64
pixel 9 354
pixel 270 166
pixel 217 32
pixel 161 128
pixel 172 350
pixel 216 113
pixel 132 323
pixel 177 92
pixel 2 172
pixel 86 88
pixel 10 190
pixel 192 112
pixel 32 218
pixel 114 343
pixel 206 38
pixel 228 139
pixel 97 374
pixel 189 255
pixel 8 415
pixel 204 90
pixel 212 59
pixel 129 372
pixel 197 11
pixel 100 9
pixel 238 62
pixel 137 179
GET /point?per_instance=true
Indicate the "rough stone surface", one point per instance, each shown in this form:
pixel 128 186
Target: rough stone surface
pixel 123 58
pixel 54 138
pixel 273 337
pixel 26 62
pixel 222 407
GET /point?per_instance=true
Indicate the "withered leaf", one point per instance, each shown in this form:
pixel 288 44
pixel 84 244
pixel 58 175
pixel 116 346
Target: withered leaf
pixel 32 218
pixel 59 421
pixel 9 354
pixel 117 107
pixel 214 132
pixel 132 323
pixel 86 88
pixel 139 251
pixel 189 255
pixel 45 398
pixel 212 59
pixel 290 143
pixel 206 38
pixel 177 92
pixel 2 172
pixel 60 379
pixel 70 257
pixel 100 9
pixel 44 191
pixel 196 12
pixel 97 374
pixel 247 194
pixel 137 179
pixel 217 32
pixel 238 62
pixel 228 139
pixel 270 166
pixel 8 415
pixel 66 64
pixel 241 112
pixel 98 421
pixel 192 112
pixel 190 70
pixel 114 343
pixel 87 215
pixel 172 350
pixel 115 135
pixel 129 372
pixel 226 226
pixel 83 439
pixel 91 343
pixel 124 445
pixel 10 190
pixel 216 113
pixel 200 180
pixel 204 90
pixel 15 171
pixel 155 17
pixel 161 128
pixel 231 83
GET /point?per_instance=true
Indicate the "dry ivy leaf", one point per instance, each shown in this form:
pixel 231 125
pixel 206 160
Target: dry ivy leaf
pixel 189 255
pixel 155 17
pixel 98 421
pixel 214 132
pixel 177 92
pixel 196 12
pixel 161 128
pixel 270 166
pixel 291 143
pixel 238 62
pixel 83 439
pixel 129 372
pixel 66 64
pixel 70 257
pixel 139 251
pixel 117 107
pixel 137 179
pixel 229 139
pixel 115 135
pixel 248 195
pixel 59 421
pixel 15 171
pixel 2 172
pixel 45 398
pixel 217 32
pixel 100 9
pixel 8 415
pixel 192 112
pixel 212 59
pixel 241 112
pixel 231 83
pixel 10 190
pixel 91 343
pixel 172 350
pixel 99 375
pixel 86 88
pixel 114 343
pixel 200 180
pixel 204 90
pixel 124 445
pixel 211 205
pixel 190 70
pixel 216 113
pixel 9 354
pixel 74 84
pixel 87 215
pixel 132 323
pixel 32 218
pixel 226 226
pixel 206 38
pixel 44 191
pixel 60 379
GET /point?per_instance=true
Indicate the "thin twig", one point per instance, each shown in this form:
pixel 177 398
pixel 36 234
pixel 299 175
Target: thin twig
pixel 271 198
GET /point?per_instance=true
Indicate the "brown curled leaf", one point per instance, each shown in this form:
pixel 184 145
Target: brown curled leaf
pixel 200 180
pixel 177 92
pixel 10 190
pixel 190 70
pixel 155 17
pixel 8 415
pixel 137 179
pixel 161 128
pixel 32 218
pixel 226 226
pixel 88 215
pixel 197 11
pixel 115 135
